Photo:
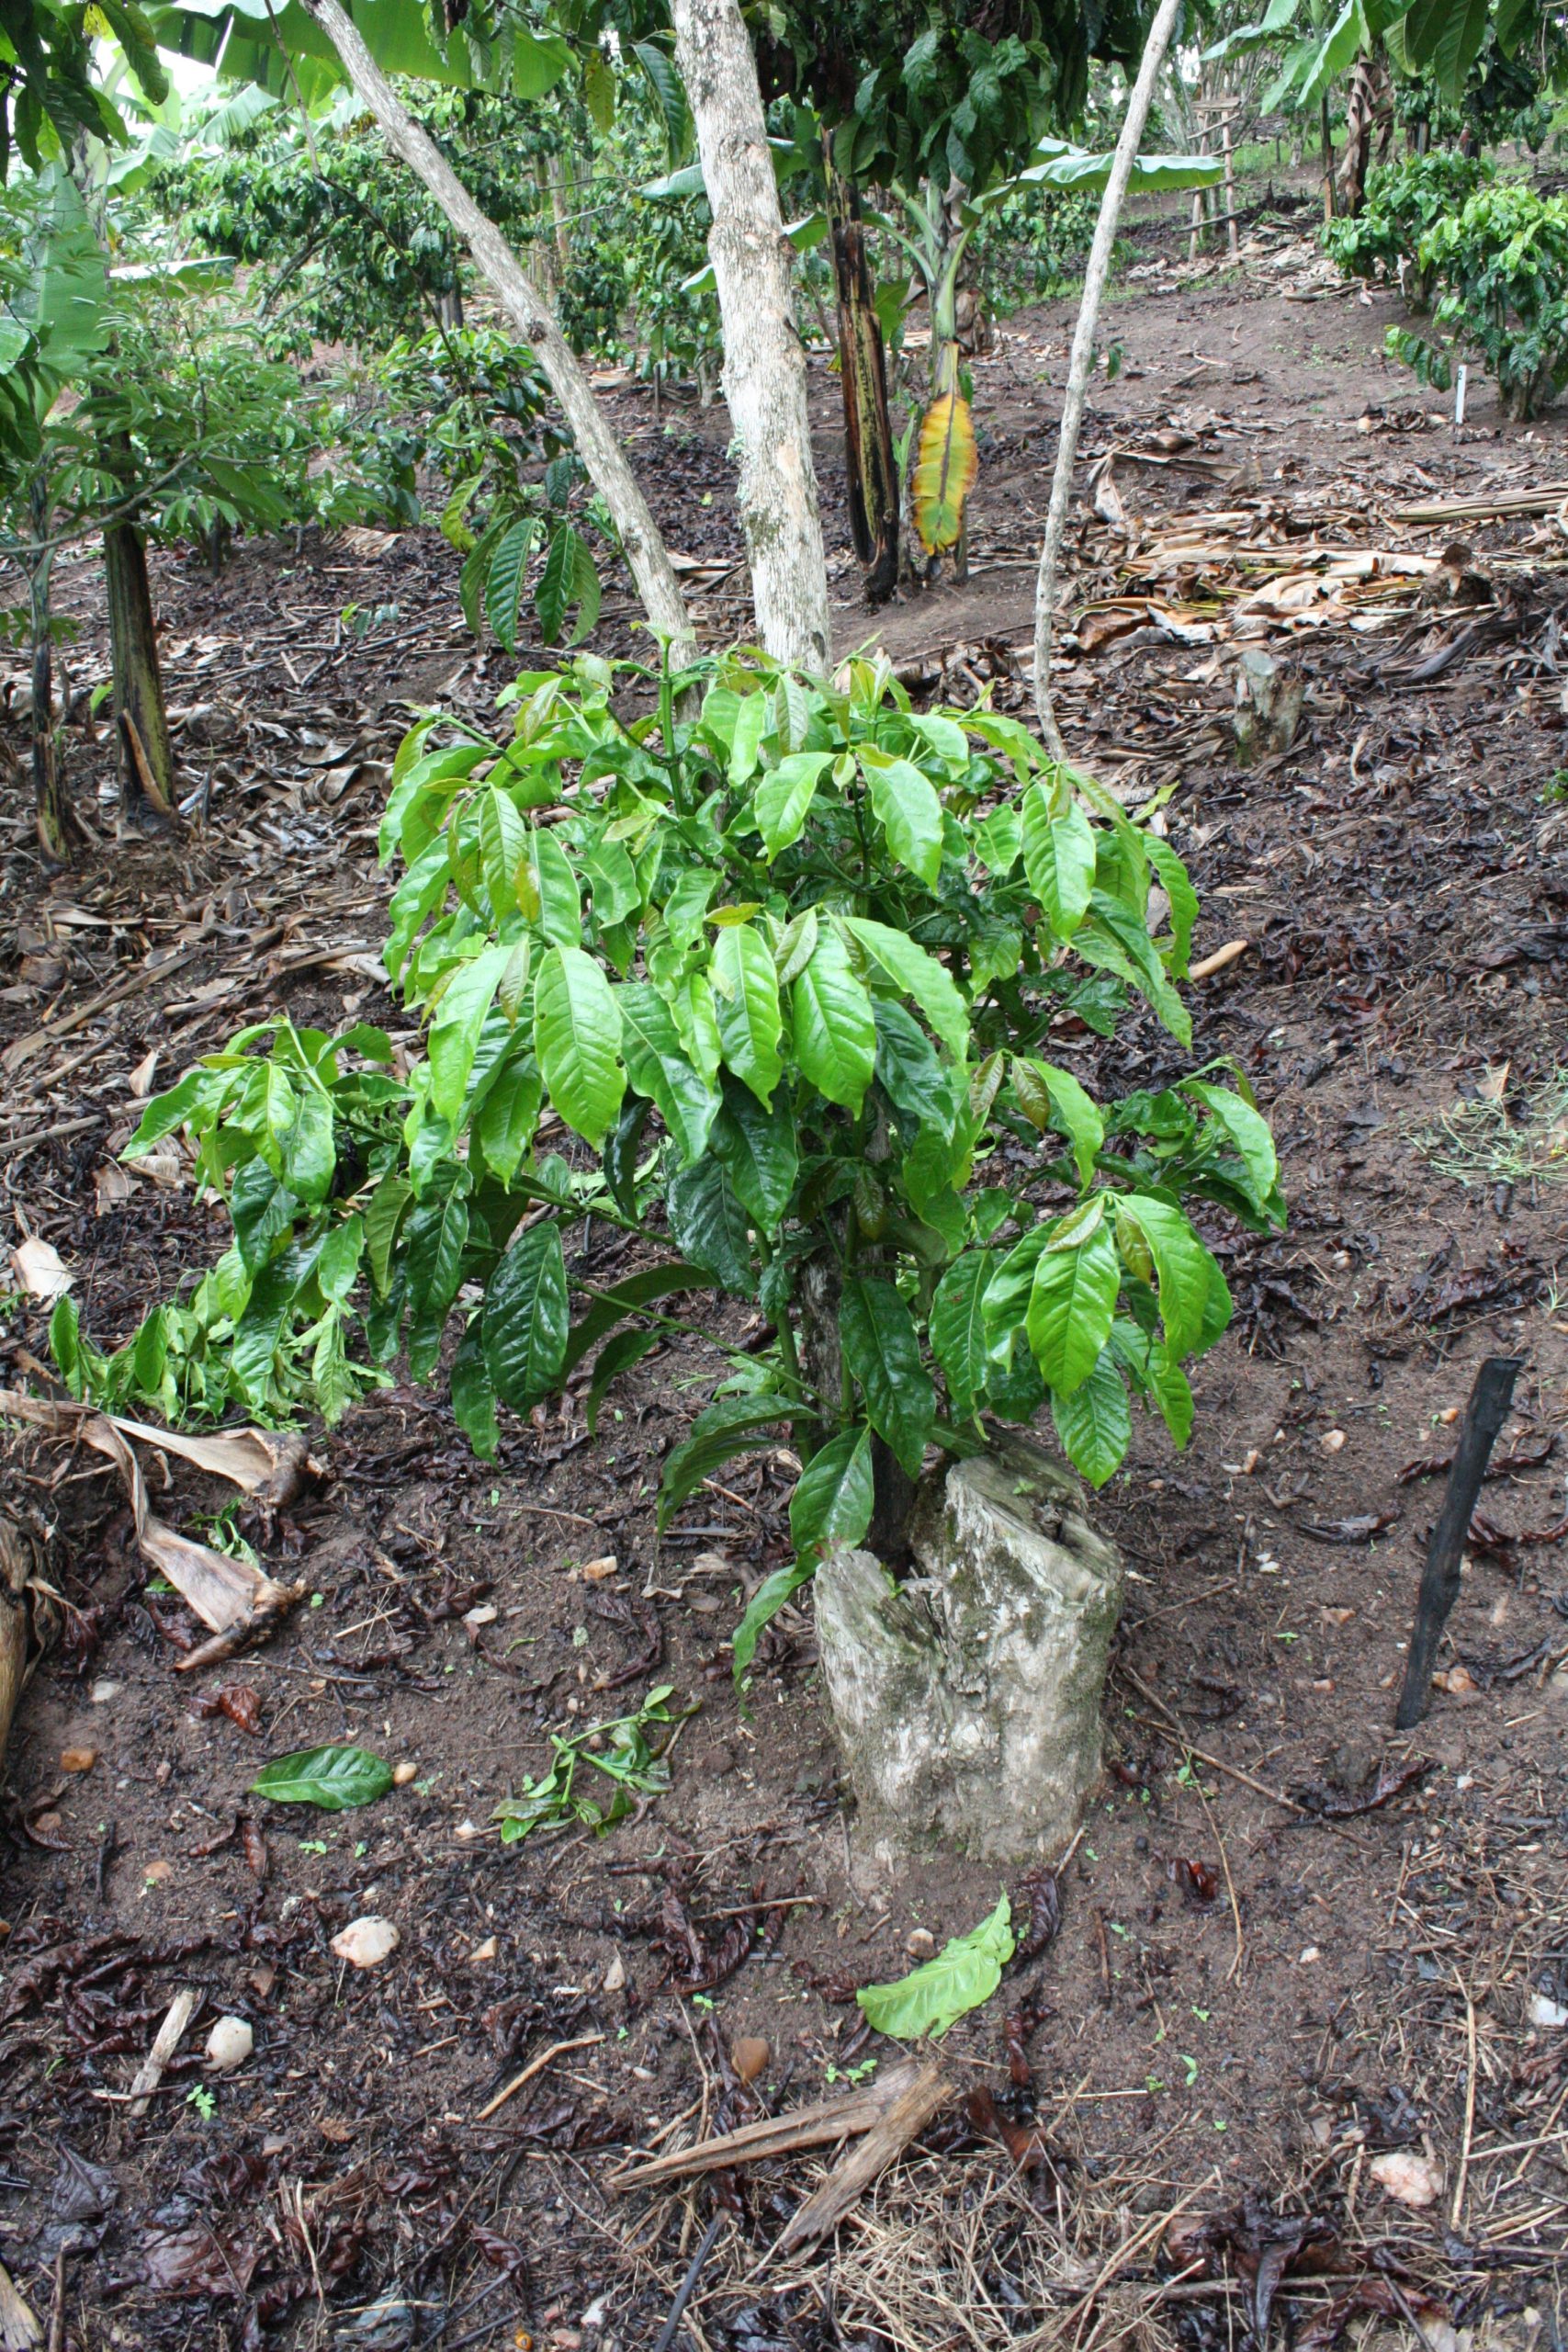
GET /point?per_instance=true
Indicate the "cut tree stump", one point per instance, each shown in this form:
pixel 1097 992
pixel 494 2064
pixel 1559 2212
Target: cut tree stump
pixel 967 1699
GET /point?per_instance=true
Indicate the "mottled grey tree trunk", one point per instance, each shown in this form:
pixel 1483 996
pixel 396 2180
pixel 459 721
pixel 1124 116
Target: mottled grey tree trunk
pixel 764 362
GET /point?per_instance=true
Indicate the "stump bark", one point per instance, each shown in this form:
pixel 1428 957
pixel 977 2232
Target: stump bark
pixel 967 1699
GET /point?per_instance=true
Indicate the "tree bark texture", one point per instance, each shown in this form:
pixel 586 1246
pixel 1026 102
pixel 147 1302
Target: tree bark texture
pixel 141 724
pixel 1081 357
pixel 611 477
pixel 1366 101
pixel 764 362
pixel 57 829
pixel 863 369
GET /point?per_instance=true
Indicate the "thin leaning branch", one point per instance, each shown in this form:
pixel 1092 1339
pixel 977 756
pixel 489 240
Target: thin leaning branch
pixel 1082 356
pixel 601 452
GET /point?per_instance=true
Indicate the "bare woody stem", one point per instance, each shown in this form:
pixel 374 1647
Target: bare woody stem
pixel 764 363
pixel 1081 359
pixel 600 453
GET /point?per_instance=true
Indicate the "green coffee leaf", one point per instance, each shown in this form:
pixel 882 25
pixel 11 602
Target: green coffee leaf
pixel 731 1425
pixel 1093 1422
pixel 958 1326
pixel 916 974
pixel 576 1035
pixel 764 1607
pixel 657 1067
pixel 758 1147
pixel 334 1779
pixel 454 1032
pixel 746 1000
pixel 835 1029
pixel 882 1352
pixel 1058 857
pixel 710 1223
pixel 833 1495
pixel 961 1977
pixel 525 1317
pixel 906 806
pixel 1071 1306
pixel 783 797
pixel 1183 1267
pixel 473 1396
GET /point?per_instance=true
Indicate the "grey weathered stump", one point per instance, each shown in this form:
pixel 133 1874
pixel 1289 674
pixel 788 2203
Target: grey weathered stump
pixel 967 1699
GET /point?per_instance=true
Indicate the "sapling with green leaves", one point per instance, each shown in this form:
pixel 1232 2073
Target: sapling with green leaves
pixel 787 958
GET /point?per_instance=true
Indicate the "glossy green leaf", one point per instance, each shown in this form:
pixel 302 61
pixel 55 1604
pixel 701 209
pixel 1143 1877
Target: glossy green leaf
pixel 764 1607
pixel 1248 1131
pixel 961 1977
pixel 508 1117
pixel 1058 857
pixel 746 1000
pixel 657 1066
pixel 335 1779
pixel 1184 1267
pixel 758 1147
pixel 1071 1304
pixel 730 1426
pixel 709 1221
pixel 882 1352
pixel 906 806
pixel 1076 1113
pixel 834 1494
pixel 525 1317
pixel 576 1035
pixel 918 975
pixel 958 1327
pixel 835 1029
pixel 473 1395
pixel 785 796
pixel 454 1032
pixel 1093 1422
pixel 505 579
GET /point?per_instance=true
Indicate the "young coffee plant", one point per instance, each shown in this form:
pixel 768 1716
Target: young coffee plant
pixel 1404 202
pixel 1502 260
pixel 786 960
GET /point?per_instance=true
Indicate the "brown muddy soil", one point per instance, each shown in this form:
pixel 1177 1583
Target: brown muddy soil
pixel 1259 1988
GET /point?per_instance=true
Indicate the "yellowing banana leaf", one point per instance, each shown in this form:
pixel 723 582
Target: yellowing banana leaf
pixel 945 466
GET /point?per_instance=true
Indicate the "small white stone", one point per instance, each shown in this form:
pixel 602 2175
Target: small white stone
pixel 615 1975
pixel 103 1692
pixel 366 1943
pixel 1544 2012
pixel 228 2044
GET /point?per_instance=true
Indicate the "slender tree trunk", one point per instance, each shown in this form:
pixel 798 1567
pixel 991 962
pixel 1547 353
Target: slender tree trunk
pixel 1081 357
pixel 868 428
pixel 602 454
pixel 141 725
pixel 58 831
pixel 556 172
pixel 1326 135
pixel 764 362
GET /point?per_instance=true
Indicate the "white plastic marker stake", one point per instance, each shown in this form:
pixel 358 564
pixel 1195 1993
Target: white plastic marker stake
pixel 1459 396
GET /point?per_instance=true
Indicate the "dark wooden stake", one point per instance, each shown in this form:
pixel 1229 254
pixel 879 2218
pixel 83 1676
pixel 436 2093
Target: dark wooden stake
pixel 1483 1417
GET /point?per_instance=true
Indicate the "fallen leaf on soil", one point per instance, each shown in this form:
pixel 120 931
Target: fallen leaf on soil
pixel 748 2055
pixel 1409 2179
pixel 1023 2142
pixel 1360 1530
pixel 198 2262
pixel 229 1595
pixel 111 1185
pixel 336 1779
pixel 366 1943
pixel 239 1703
pixel 1197 1881
pixel 1334 1805
pixel 228 2044
pixel 1039 1890
pixel 962 1976
pixel 40 1271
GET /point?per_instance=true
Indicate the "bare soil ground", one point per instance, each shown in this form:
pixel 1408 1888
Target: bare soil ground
pixel 1266 1980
